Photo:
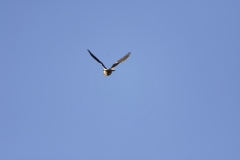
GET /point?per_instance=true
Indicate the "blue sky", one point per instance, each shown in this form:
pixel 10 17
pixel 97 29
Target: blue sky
pixel 177 97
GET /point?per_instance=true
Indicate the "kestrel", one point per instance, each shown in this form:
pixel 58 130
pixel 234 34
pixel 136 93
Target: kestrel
pixel 108 71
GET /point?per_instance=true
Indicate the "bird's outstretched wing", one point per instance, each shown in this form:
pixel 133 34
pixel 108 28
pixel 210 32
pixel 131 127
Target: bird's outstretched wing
pixel 97 59
pixel 121 60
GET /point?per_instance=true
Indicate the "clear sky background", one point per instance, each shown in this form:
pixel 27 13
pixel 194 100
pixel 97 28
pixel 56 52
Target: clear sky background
pixel 177 97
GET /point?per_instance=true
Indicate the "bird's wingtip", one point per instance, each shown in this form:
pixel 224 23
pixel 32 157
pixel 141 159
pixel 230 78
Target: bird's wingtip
pixel 88 50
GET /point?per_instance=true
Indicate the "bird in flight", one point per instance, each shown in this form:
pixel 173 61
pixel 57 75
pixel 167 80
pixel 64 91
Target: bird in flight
pixel 108 71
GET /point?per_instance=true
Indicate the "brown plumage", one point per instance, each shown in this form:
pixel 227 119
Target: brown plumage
pixel 108 71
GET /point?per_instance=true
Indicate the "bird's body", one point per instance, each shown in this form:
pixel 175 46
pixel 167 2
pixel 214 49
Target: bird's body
pixel 108 71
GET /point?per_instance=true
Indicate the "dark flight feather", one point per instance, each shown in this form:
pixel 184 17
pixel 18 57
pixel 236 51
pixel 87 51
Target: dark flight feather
pixel 97 59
